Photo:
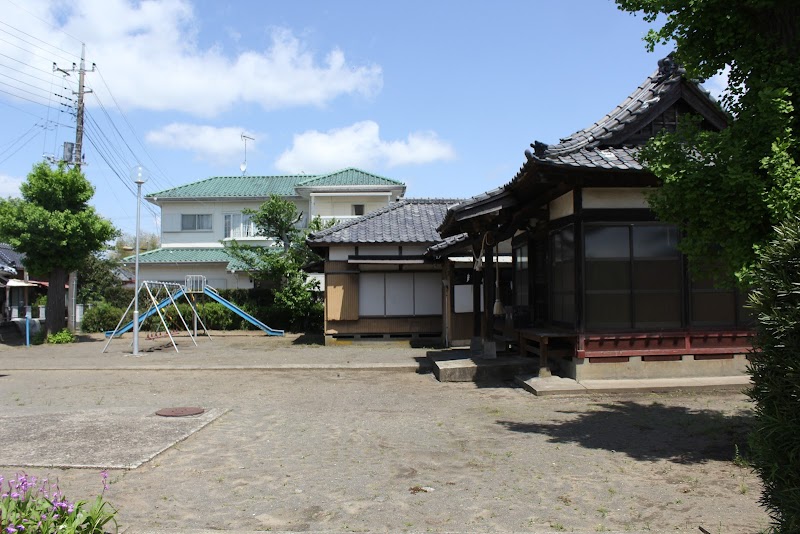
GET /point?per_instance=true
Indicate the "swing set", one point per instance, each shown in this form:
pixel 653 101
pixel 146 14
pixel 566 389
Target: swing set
pixel 164 297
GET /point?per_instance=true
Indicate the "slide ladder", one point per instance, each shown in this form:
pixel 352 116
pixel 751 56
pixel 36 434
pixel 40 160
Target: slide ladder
pixel 211 292
pixel 161 305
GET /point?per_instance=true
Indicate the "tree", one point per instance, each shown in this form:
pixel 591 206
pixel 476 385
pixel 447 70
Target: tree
pixel 126 243
pixel 728 189
pixel 736 193
pixel 282 265
pixel 56 228
pixel 775 442
pixel 99 281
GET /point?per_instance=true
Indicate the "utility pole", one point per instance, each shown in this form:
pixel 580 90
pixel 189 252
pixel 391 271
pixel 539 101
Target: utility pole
pixel 77 160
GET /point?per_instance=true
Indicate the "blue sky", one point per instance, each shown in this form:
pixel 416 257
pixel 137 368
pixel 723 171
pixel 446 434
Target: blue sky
pixel 444 96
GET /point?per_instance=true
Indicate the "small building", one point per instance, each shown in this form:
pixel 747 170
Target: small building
pixel 383 280
pixel 198 218
pixel 600 288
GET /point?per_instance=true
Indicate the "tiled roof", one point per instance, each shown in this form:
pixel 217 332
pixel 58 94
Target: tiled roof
pixel 405 221
pixel 448 243
pixel 604 144
pixel 10 257
pixel 264 186
pixel 348 177
pixel 186 255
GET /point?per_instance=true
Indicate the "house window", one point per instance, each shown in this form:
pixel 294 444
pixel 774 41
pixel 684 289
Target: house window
pixel 399 294
pixel 358 209
pixel 632 277
pixel 239 225
pixel 562 246
pixel 196 221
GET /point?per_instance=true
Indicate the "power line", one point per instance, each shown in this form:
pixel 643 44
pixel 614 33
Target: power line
pixel 20 147
pixel 34 114
pixel 133 131
pixel 46 22
pixel 69 57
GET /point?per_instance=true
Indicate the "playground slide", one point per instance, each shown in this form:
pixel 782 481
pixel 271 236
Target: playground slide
pixel 129 326
pixel 241 313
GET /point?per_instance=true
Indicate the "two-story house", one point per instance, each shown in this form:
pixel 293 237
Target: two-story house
pixel 197 218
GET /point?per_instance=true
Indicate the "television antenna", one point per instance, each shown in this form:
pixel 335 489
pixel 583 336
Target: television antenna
pixel 243 166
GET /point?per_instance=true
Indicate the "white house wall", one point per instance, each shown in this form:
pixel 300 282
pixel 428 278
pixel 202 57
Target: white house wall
pixel 216 275
pixel 342 206
pixel 172 235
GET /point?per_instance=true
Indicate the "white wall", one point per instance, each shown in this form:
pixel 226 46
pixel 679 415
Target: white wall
pixel 342 206
pixel 172 235
pixel 215 274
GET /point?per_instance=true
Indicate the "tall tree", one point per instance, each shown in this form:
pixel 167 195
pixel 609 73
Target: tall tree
pixel 737 195
pixel 56 228
pixel 281 265
pixel 728 189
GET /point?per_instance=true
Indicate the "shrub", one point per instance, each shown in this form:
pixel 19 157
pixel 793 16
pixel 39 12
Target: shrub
pixel 775 370
pixel 101 318
pixel 30 505
pixel 215 316
pixel 64 336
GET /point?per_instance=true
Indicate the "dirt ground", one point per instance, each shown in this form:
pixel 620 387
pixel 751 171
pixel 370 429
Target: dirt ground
pixel 344 450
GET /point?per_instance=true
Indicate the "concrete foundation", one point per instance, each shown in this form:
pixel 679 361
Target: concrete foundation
pixel 635 368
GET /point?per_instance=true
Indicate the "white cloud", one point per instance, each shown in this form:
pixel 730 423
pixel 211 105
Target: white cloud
pixel 9 186
pixel 360 145
pixel 208 143
pixel 148 54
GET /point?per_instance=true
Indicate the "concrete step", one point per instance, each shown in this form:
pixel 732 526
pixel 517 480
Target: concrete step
pixel 458 365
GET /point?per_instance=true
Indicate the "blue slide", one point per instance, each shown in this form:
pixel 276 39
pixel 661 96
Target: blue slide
pixel 241 313
pixel 129 326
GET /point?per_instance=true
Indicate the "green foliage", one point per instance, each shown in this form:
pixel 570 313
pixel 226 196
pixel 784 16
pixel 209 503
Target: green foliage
pixel 775 368
pixel 277 218
pixel 215 316
pixel 293 303
pixel 64 336
pixel 36 506
pixel 728 189
pixel 101 317
pixel 125 244
pixel 55 227
pixel 98 281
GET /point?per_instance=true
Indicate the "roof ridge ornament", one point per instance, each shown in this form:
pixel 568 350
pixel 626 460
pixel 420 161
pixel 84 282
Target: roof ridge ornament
pixel 668 67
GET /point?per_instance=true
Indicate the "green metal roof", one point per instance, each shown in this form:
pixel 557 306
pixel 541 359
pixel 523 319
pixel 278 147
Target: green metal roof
pixel 351 177
pixel 264 186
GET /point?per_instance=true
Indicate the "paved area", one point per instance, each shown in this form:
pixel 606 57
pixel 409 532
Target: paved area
pixel 334 447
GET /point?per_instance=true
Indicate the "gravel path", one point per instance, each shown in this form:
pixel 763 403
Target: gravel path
pixel 344 450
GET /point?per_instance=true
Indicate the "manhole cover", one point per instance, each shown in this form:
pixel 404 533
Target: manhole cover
pixel 181 411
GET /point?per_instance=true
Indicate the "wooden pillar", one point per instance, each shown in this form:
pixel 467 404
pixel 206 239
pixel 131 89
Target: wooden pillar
pixel 489 347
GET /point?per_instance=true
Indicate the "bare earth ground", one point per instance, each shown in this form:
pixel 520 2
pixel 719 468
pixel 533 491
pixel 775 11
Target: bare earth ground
pixel 351 450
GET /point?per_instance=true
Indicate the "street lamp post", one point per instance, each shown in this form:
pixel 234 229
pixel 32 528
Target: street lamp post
pixel 139 176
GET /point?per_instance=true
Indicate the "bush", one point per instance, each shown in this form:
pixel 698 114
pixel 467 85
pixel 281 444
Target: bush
pixel 29 505
pixel 101 318
pixel 215 316
pixel 64 336
pixel 775 370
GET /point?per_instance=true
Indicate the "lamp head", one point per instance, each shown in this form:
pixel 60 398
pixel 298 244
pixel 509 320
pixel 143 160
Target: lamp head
pixel 139 175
